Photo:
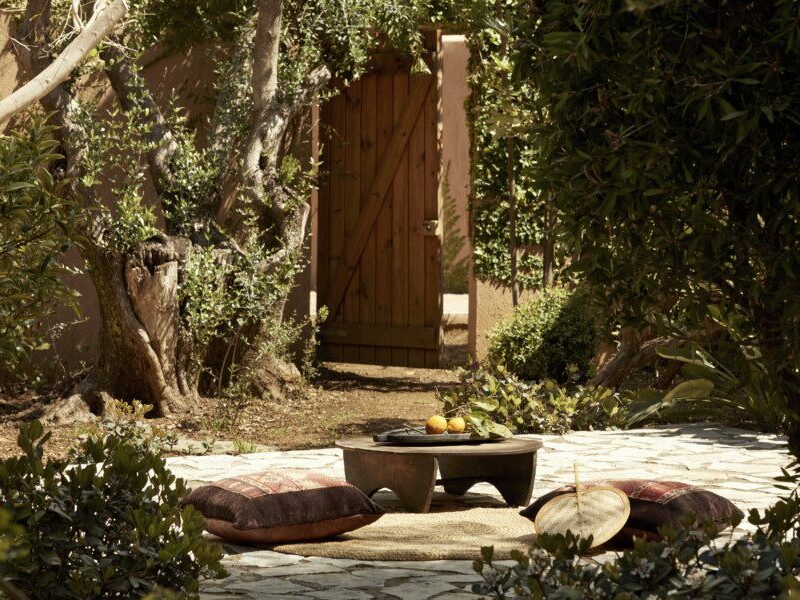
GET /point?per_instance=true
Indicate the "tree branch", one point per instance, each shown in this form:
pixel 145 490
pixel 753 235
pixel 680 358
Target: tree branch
pixel 258 176
pixel 266 52
pixel 264 82
pixel 258 182
pixel 60 101
pixel 133 93
pixel 102 22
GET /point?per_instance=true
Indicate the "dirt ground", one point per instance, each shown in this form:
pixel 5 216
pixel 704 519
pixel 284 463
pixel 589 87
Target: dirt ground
pixel 349 400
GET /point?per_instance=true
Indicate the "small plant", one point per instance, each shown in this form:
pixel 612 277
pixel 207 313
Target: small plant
pixel 37 222
pixel 546 337
pixel 106 527
pixel 685 564
pixel 310 363
pixel 494 398
pixel 244 447
pixel 126 420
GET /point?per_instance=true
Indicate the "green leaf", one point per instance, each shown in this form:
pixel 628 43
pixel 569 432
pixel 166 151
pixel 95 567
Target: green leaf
pixel 19 185
pixel 487 405
pixel 733 115
pixel 646 402
pixel 694 389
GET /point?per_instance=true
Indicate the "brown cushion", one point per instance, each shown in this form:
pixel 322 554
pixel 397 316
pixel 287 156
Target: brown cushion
pixel 655 504
pixel 288 505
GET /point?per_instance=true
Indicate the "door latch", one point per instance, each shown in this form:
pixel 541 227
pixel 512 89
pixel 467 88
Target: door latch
pixel 430 227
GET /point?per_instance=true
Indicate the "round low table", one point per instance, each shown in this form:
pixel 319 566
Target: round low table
pixel 410 471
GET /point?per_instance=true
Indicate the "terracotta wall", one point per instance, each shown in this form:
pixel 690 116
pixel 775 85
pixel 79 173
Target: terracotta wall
pixel 8 64
pixel 489 304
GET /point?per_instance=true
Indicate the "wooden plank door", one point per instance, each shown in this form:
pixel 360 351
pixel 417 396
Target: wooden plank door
pixel 379 248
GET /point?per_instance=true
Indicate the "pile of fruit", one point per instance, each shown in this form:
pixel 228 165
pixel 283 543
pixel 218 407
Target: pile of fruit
pixel 438 425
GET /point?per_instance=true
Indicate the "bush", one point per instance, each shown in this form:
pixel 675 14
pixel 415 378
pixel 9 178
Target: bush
pixel 764 564
pixel 546 336
pixel 35 225
pixel 126 420
pixel 108 527
pixel 494 396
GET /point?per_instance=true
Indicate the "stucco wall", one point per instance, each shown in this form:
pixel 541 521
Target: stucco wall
pixel 8 64
pixel 455 164
pixel 490 305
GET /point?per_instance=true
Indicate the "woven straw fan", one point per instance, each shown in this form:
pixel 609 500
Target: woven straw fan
pixel 599 511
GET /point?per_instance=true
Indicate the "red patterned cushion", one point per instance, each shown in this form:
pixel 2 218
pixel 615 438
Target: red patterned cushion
pixel 281 506
pixel 655 504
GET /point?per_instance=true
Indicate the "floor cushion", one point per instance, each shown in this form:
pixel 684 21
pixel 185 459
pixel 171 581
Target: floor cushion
pixel 655 504
pixel 281 506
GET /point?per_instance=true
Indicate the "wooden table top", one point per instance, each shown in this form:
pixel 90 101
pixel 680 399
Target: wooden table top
pixel 509 446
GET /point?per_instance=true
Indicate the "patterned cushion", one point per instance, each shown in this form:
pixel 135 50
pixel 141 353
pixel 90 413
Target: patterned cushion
pixel 655 504
pixel 280 506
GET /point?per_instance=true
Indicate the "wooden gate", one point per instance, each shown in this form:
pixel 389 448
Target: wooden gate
pixel 379 248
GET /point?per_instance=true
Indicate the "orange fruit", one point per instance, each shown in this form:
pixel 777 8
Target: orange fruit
pixel 436 424
pixel 456 425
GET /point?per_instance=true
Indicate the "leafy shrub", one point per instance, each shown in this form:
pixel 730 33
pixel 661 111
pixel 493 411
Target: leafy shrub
pixel 631 95
pixel 735 388
pixel 108 527
pixel 126 420
pixel 35 225
pixel 544 337
pixel 490 398
pixel 764 564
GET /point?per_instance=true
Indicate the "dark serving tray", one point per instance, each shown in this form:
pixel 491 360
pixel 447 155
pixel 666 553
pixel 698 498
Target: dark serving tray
pixel 410 436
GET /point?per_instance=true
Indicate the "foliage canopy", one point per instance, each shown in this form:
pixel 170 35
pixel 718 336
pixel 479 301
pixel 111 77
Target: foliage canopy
pixel 668 132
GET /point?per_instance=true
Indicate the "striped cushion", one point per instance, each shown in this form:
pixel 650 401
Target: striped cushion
pixel 656 504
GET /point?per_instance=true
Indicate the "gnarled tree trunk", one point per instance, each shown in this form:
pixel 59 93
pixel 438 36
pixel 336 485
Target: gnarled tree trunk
pixel 144 351
pixel 635 351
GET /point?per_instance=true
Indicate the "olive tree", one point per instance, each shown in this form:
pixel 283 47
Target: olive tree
pixel 197 282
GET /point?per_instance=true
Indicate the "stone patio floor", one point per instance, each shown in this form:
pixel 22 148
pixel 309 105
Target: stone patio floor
pixel 737 464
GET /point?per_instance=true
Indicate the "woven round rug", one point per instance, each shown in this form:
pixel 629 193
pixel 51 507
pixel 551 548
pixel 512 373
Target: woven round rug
pixel 450 535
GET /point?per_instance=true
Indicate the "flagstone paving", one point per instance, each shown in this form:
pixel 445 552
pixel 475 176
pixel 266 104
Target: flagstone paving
pixel 737 464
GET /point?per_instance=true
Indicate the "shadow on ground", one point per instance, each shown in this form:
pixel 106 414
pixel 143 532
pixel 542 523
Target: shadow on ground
pixel 371 378
pixel 714 434
pixel 368 427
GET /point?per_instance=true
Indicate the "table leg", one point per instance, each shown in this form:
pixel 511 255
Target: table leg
pixel 458 474
pixel 512 475
pixel 411 477
pixel 514 479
